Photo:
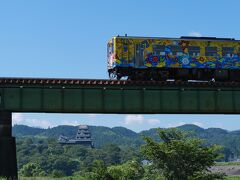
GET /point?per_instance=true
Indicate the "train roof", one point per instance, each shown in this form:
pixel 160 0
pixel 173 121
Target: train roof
pixel 189 38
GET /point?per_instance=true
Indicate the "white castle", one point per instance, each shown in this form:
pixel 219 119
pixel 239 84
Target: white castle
pixel 83 137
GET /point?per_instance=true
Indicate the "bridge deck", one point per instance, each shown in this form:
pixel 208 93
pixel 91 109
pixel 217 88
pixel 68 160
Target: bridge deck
pixel 112 96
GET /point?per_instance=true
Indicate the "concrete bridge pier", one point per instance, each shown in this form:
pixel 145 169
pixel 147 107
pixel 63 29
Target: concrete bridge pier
pixel 8 158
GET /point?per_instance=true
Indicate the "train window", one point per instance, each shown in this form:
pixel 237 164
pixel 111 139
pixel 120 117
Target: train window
pixel 158 50
pixel 227 51
pixel 194 51
pixel 210 51
pixel 176 50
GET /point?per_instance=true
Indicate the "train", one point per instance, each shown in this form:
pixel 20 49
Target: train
pixel 185 58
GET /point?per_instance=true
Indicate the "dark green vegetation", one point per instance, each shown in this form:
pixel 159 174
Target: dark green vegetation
pixel 39 154
pixel 40 157
pixel 117 150
pixel 179 157
pixel 125 138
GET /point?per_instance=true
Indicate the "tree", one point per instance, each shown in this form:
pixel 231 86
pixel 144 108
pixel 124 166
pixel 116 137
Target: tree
pixel 100 170
pixel 130 153
pixel 65 165
pixel 180 157
pixel 116 172
pixel 32 169
pixel 152 173
pixel 112 154
pixel 130 170
pixel 57 173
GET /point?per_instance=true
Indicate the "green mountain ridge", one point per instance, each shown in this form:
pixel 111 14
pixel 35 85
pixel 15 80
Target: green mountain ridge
pixel 123 136
pixel 126 138
pixel 70 131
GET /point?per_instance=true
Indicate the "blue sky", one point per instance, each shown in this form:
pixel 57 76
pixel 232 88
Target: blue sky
pixel 61 38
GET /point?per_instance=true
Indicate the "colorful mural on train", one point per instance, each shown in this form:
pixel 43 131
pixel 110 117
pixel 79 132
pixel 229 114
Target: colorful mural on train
pixel 175 53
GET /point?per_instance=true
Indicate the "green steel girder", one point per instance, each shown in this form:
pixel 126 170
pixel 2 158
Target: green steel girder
pixel 120 99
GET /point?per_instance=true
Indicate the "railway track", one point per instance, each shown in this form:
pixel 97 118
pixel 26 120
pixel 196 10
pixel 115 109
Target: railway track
pixel 106 82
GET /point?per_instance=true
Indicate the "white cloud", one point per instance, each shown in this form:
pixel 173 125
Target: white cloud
pixel 70 122
pixel 196 34
pixel 92 115
pixel 139 119
pixel 153 121
pixel 133 119
pixel 38 123
pixel 17 118
pixel 198 124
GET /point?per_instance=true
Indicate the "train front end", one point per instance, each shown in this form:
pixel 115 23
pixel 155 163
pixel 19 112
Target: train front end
pixel 111 58
pixel 120 57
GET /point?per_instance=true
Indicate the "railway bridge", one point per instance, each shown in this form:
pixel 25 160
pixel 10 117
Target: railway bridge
pixel 106 96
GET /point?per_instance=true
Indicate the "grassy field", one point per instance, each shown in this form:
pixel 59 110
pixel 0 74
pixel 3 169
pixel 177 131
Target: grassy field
pixel 228 164
pixel 233 178
pixel 50 178
pixel 81 178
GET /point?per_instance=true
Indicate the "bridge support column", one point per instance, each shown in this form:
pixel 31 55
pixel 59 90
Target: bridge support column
pixel 8 158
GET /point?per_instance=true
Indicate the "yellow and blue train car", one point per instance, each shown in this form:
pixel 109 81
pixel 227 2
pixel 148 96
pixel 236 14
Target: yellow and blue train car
pixel 185 58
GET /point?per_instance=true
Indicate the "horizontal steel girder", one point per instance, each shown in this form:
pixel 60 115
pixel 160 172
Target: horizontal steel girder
pixel 141 99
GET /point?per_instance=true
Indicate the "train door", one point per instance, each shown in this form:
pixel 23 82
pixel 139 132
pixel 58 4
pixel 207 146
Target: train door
pixel 139 57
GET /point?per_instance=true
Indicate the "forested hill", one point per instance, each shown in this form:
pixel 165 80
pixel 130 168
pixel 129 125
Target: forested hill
pixel 124 137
